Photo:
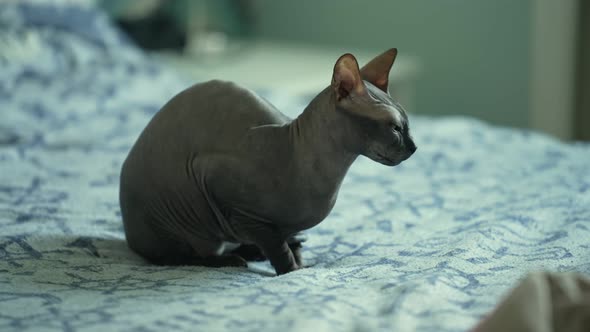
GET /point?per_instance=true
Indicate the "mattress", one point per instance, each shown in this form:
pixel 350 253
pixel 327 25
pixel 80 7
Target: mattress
pixel 430 245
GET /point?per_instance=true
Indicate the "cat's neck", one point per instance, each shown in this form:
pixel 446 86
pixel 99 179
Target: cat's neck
pixel 320 145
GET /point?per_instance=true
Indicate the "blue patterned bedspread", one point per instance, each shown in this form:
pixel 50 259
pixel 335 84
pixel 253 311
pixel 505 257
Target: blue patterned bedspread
pixel 431 245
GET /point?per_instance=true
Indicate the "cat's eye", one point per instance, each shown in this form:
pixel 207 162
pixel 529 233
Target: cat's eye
pixel 392 124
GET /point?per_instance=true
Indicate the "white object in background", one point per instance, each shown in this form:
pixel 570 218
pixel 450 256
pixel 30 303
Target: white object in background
pixel 553 50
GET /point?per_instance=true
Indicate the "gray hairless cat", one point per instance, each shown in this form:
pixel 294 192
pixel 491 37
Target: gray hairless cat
pixel 220 176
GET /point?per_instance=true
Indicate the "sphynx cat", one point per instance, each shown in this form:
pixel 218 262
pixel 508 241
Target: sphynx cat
pixel 219 175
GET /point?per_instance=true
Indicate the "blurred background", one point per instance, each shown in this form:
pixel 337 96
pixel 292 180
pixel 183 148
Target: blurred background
pixel 512 63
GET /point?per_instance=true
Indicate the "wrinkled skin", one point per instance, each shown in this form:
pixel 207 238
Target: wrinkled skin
pixel 219 176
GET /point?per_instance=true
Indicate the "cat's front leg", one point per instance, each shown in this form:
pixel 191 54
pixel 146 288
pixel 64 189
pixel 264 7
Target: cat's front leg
pixel 272 244
pixel 295 244
pixel 251 252
pixel 281 257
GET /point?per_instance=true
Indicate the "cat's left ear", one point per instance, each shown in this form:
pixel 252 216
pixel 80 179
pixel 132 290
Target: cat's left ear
pixel 377 70
pixel 346 78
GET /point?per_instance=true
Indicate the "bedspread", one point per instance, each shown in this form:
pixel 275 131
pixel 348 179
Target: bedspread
pixel 430 245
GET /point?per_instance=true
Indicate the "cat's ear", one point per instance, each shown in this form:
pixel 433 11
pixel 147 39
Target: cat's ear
pixel 347 79
pixel 377 70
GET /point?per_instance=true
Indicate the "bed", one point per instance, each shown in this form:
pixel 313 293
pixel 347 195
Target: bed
pixel 431 245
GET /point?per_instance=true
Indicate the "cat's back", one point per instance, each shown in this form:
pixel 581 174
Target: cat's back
pixel 221 105
pixel 209 117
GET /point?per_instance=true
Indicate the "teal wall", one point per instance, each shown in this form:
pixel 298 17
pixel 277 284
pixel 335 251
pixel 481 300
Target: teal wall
pixel 474 53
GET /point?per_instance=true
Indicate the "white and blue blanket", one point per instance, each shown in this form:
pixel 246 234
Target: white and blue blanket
pixel 431 245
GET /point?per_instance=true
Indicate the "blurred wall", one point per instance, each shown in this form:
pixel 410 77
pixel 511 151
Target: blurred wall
pixel 474 54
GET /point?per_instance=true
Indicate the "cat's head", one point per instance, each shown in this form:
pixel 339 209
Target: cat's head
pixel 379 122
